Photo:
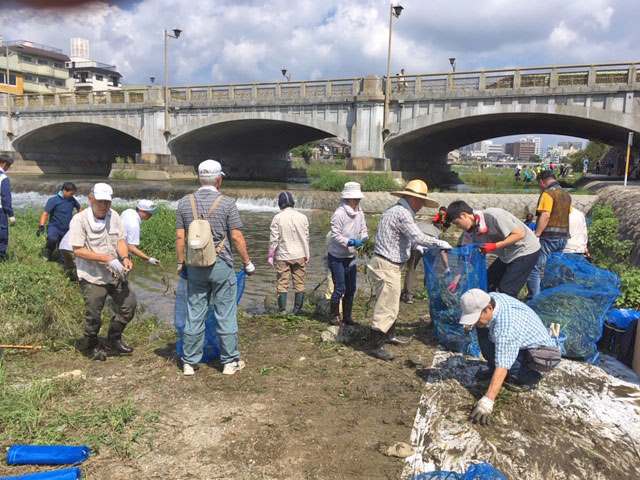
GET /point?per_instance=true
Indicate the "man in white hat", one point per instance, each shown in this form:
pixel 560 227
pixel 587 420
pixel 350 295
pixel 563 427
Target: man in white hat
pixel 102 259
pixel 518 347
pixel 214 284
pixel 132 220
pixel 397 234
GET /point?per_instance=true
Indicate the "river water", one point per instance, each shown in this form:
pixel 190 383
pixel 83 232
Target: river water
pixel 154 287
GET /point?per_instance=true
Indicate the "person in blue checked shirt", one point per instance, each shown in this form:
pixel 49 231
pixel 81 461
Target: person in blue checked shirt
pixel 6 209
pixel 518 348
pixel 58 211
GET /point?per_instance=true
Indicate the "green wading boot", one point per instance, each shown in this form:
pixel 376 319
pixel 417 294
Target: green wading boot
pixel 94 349
pixel 297 305
pixel 379 339
pixel 282 302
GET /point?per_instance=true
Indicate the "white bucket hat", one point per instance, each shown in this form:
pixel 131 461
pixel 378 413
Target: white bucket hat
pixel 102 191
pixel 146 206
pixel 209 169
pixel 351 190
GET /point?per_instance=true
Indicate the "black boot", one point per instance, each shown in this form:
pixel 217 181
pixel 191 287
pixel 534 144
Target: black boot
pixel 395 339
pixel 335 313
pixel 116 343
pixel 297 305
pixel 94 349
pixel 282 302
pixel 378 351
pixel 347 307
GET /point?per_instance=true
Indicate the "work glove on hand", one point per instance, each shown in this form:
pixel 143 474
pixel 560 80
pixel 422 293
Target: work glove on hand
pixel 12 220
pixel 40 230
pixel 180 269
pixel 271 256
pixel 442 245
pixel 482 411
pixel 354 242
pixel 117 268
pixel 488 247
pixel 250 268
pixel 420 249
pixel 153 261
pixel 453 286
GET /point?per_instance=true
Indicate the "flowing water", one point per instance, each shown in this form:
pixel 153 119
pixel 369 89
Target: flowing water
pixel 155 287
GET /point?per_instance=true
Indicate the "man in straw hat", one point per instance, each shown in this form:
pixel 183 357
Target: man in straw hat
pixel 397 234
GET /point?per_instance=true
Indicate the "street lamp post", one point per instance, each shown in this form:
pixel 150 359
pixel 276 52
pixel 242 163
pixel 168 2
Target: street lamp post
pixel 394 11
pixel 7 81
pixel 175 33
pixel 452 61
pixel 285 74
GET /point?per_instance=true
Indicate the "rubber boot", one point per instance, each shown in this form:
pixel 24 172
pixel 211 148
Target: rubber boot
pixel 282 302
pixel 379 339
pixel 335 313
pixel 299 301
pixel 116 344
pixel 94 349
pixel 395 339
pixel 347 307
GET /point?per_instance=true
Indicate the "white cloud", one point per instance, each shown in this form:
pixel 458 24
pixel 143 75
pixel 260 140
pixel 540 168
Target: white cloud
pixel 562 36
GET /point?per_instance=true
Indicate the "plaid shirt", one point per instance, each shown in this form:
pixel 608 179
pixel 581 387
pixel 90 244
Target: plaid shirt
pixel 398 233
pixel 515 327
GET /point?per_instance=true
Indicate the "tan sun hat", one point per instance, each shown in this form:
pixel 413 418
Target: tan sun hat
pixel 418 189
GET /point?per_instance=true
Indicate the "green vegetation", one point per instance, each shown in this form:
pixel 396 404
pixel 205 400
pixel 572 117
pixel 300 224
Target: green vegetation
pixel 158 235
pixel 332 181
pixel 594 151
pixel 609 252
pixel 502 180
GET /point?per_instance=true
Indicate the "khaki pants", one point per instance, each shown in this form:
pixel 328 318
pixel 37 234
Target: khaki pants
pixel 387 278
pixel 285 269
pixel 95 297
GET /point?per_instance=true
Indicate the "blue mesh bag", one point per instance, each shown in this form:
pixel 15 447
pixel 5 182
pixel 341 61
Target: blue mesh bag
pixel 478 471
pixel 47 454
pixel 576 295
pixel 469 265
pixel 72 473
pixel 211 350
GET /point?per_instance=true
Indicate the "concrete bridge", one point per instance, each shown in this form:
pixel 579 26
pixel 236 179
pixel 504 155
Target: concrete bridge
pixel 251 127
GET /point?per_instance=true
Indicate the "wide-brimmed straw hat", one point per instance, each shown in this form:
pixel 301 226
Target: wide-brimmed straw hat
pixel 351 190
pixel 418 189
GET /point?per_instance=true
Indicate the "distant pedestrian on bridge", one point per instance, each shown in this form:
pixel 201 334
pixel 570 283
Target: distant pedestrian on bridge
pixel 289 251
pixel 56 216
pixel 6 209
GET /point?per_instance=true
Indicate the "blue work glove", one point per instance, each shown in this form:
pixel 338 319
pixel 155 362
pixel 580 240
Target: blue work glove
pixel 354 242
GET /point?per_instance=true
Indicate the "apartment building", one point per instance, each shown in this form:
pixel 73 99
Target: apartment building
pixel 33 68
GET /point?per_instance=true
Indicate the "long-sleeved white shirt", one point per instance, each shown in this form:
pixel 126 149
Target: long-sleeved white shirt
pixel 289 235
pixel 346 224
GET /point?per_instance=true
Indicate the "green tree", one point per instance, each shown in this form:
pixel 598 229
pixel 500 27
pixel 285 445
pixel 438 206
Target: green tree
pixel 594 151
pixel 305 151
pixel 535 158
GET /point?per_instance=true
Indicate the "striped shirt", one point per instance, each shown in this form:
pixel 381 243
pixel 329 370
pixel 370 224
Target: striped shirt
pixel 514 327
pixel 223 219
pixel 398 233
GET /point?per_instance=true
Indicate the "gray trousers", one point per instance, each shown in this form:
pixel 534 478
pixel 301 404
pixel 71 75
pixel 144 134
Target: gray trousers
pixel 95 297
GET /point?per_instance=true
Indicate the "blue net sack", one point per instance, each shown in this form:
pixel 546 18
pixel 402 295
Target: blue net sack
pixel 478 471
pixel 211 350
pixel 576 295
pixel 72 473
pixel 470 265
pixel 47 454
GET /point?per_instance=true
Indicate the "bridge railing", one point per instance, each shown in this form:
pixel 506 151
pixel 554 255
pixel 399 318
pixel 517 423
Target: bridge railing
pixel 578 78
pixel 572 76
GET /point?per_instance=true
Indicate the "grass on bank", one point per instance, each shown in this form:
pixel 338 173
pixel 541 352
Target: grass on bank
pixel 502 180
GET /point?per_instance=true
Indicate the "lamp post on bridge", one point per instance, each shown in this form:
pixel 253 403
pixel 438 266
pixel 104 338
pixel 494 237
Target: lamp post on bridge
pixel 7 81
pixel 394 11
pixel 286 74
pixel 452 61
pixel 175 33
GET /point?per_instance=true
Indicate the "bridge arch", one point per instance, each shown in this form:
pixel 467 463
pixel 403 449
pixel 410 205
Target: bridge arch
pixel 247 142
pixel 422 143
pixel 87 148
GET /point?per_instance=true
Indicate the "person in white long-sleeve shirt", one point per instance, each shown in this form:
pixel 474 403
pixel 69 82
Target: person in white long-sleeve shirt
pixel 397 234
pixel 348 234
pixel 289 250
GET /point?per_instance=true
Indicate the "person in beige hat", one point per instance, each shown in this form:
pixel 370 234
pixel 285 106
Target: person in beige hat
pixel 397 234
pixel 348 234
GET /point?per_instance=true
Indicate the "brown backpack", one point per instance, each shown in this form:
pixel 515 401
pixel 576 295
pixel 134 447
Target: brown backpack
pixel 201 249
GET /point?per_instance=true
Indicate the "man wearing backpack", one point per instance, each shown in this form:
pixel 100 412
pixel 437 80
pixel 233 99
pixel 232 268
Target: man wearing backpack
pixel 205 222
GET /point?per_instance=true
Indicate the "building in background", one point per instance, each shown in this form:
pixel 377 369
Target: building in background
pixel 522 150
pixel 89 75
pixel 537 141
pixel 33 68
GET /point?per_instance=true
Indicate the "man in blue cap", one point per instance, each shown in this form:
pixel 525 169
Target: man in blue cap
pixel 58 211
pixel 6 209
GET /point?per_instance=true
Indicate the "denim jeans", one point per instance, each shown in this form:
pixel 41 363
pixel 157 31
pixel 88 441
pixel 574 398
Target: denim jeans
pixel 509 278
pixel 344 274
pixel 547 247
pixel 519 372
pixel 216 286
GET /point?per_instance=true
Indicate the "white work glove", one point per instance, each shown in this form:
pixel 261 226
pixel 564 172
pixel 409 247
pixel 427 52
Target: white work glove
pixel 153 261
pixel 442 245
pixel 12 220
pixel 250 268
pixel 482 411
pixel 420 249
pixel 117 267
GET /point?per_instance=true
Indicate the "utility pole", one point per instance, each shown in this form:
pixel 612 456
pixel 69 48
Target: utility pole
pixel 175 34
pixel 7 81
pixel 394 11
pixel 626 166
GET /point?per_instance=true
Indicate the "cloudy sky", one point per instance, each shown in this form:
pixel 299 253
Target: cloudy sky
pixel 228 41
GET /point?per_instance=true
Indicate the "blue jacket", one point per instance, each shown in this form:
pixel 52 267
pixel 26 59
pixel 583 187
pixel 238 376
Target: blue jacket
pixel 5 194
pixel 60 212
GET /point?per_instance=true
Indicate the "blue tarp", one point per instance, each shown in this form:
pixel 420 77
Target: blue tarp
pixel 47 454
pixel 469 266
pixel 478 471
pixel 73 473
pixel 622 318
